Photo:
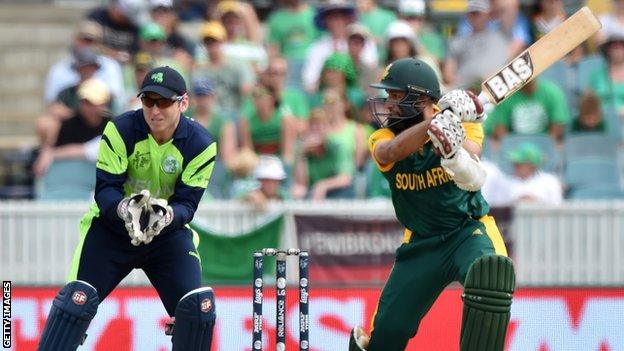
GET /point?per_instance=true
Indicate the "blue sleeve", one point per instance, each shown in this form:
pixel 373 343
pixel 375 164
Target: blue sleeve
pixel 108 193
pixel 184 203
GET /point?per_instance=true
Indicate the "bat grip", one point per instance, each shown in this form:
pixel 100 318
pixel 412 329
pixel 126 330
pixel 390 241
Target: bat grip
pixel 485 101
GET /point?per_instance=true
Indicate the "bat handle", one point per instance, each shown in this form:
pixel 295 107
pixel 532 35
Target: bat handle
pixel 488 106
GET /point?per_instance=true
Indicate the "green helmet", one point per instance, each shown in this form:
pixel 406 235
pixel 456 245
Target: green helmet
pixel 412 76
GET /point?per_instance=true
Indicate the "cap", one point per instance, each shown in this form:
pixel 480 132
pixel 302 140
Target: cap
pixel 164 81
pixel 94 91
pixel 213 30
pixel 414 8
pixel 152 31
pixel 342 62
pixel 203 86
pixel 89 30
pixel 228 6
pixel 357 29
pixel 400 29
pixel 154 4
pixel 345 6
pixel 478 6
pixel 526 153
pixel 85 57
pixel 134 10
pixel 143 60
pixel 269 167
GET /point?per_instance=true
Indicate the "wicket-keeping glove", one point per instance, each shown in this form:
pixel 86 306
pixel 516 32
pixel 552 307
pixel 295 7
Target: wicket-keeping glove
pixel 133 210
pixel 160 216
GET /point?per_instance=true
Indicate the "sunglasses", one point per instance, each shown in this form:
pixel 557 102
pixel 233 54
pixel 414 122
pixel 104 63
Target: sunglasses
pixel 161 103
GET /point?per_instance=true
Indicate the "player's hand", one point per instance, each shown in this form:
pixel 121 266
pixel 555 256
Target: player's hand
pixel 133 211
pixel 464 104
pixel 160 216
pixel 447 133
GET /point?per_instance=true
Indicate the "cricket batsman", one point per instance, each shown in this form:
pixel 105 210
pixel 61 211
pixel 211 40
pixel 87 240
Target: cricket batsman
pixel 427 149
pixel 152 169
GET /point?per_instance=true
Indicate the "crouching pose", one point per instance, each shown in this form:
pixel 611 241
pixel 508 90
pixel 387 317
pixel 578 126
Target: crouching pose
pixel 427 149
pixel 152 169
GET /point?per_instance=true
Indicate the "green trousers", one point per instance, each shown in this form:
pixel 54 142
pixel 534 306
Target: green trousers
pixel 423 268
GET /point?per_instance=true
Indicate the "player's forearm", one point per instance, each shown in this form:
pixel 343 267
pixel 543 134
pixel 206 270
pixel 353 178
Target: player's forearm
pixel 405 144
pixel 184 203
pixel 108 193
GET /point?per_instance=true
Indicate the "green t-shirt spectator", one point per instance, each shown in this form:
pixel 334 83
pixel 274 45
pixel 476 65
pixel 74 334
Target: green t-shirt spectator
pixel 433 43
pixel 292 99
pixel 531 114
pixel 609 92
pixel 292 32
pixel 266 136
pixel 336 160
pixel 228 80
pixel 377 21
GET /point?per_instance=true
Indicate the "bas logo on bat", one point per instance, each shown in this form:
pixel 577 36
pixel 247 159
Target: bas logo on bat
pixel 511 77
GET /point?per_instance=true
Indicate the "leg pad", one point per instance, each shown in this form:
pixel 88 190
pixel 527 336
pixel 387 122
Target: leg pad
pixel 195 317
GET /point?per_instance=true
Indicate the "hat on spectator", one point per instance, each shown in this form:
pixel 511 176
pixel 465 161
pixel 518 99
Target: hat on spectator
pixel 213 30
pixel 85 57
pixel 155 4
pixel 356 29
pixel 89 30
pixel 526 153
pixel 133 10
pixel 344 6
pixel 203 86
pixel 164 81
pixel 269 167
pixel 478 6
pixel 412 8
pixel 342 62
pixel 143 60
pixel 400 29
pixel 94 91
pixel 610 38
pixel 152 31
pixel 228 6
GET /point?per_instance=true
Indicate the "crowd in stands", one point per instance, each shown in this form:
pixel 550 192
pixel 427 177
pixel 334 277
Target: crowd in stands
pixel 284 94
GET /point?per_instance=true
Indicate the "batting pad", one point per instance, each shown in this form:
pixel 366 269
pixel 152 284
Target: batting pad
pixel 488 291
pixel 195 318
pixel 72 310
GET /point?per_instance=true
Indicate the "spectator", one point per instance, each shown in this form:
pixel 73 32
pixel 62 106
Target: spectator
pixel 482 52
pixel 232 80
pixel 357 37
pixel 375 19
pixel 414 13
pixel 204 110
pixel 339 74
pixel 274 77
pixel 539 107
pixel 549 15
pixel 506 18
pixel 142 63
pixel 74 137
pixel 607 79
pixel 333 16
pixel 325 168
pixel 153 40
pixel 120 21
pixel 63 74
pixel 291 31
pixel 401 42
pixel 527 184
pixel 163 13
pixel 243 33
pixel 269 128
pixel 590 115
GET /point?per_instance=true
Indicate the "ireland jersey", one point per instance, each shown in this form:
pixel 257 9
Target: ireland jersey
pixel 425 198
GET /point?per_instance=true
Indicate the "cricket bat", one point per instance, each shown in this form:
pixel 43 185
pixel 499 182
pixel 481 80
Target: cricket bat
pixel 538 57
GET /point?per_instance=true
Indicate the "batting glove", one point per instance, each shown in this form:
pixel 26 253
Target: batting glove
pixel 464 104
pixel 447 133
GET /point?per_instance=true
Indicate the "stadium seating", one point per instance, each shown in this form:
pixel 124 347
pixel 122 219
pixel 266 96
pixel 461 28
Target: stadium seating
pixel 601 191
pixel 589 145
pixel 551 161
pixel 67 180
pixel 584 171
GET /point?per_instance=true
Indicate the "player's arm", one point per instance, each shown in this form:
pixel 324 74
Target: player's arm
pixel 191 185
pixel 111 167
pixel 388 149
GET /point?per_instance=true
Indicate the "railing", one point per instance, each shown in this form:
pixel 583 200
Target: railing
pixel 571 244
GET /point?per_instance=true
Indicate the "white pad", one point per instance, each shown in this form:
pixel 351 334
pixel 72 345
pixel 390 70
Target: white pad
pixel 467 173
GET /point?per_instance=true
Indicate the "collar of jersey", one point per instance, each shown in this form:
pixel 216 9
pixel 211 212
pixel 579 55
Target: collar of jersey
pixel 181 131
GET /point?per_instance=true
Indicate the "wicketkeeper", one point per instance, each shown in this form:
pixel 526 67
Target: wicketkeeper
pixel 428 150
pixel 152 169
